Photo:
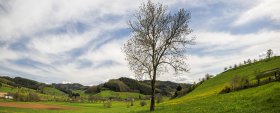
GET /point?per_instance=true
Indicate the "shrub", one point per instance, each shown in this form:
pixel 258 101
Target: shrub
pixel 131 101
pixel 159 98
pixel 244 82
pixel 239 82
pixel 179 88
pixel 107 104
pixel 143 103
pixel 33 97
pixel 235 82
pixel 127 105
pixel 225 90
pixel 94 89
pixel 184 91
pixel 90 98
pixel 19 97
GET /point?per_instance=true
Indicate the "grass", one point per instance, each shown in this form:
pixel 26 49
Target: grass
pixel 117 107
pixel 262 99
pixel 22 90
pixel 53 91
pixel 50 93
pixel 207 93
pixel 215 85
pixel 123 95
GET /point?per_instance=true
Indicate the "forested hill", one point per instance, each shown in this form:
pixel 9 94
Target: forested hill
pixel 122 84
pixel 130 85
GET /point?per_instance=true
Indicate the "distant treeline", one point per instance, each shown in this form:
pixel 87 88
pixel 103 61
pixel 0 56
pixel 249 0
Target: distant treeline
pixel 123 84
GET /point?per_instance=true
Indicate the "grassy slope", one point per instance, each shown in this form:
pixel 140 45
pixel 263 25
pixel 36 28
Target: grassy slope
pixel 81 92
pixel 7 88
pixel 123 95
pixel 216 84
pixel 207 93
pixel 262 99
pixel 53 91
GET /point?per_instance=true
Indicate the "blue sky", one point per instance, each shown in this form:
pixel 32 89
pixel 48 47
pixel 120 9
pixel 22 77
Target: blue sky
pixel 80 40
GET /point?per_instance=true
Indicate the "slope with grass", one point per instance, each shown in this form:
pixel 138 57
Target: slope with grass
pixel 205 97
pixel 215 85
pixel 49 93
pixel 53 91
pixel 262 99
pixel 122 95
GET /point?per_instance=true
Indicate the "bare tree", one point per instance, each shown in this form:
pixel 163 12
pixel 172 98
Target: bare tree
pixel 245 62
pixel 255 60
pixel 240 64
pixel 235 66
pixel 159 41
pixel 225 68
pixel 249 61
pixel 269 53
pixel 208 76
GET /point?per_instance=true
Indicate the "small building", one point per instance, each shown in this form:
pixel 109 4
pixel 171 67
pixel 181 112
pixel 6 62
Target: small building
pixel 9 97
pixel 5 95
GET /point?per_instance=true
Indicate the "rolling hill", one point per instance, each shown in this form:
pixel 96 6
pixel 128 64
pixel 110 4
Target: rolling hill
pixel 206 98
pixel 60 92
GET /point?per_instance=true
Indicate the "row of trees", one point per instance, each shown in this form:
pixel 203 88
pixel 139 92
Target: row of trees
pixel 269 55
pixel 243 82
pixel 30 97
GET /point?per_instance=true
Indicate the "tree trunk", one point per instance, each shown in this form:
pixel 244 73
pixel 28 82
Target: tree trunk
pixel 152 107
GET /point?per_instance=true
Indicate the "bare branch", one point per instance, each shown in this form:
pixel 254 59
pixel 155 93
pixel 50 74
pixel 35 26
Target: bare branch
pixel 159 41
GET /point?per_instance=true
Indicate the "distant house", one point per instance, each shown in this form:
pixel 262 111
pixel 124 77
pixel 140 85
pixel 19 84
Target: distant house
pixel 5 95
pixel 9 97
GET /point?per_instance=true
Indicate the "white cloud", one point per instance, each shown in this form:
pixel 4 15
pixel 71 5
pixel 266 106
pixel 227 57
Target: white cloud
pixel 7 54
pixel 57 43
pixel 247 46
pixel 265 9
pixel 65 82
pixel 31 17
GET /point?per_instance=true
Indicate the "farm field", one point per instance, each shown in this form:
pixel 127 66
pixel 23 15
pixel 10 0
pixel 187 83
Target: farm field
pixel 65 107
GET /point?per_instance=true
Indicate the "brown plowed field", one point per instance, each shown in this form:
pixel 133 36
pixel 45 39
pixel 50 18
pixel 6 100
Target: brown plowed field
pixel 35 106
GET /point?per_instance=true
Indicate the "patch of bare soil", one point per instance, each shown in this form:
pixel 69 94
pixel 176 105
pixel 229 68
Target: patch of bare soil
pixel 36 106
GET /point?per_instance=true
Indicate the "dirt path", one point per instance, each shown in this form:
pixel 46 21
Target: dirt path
pixel 36 106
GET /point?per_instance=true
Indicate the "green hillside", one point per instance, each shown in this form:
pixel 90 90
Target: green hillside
pixel 205 97
pixel 47 93
pixel 262 99
pixel 53 91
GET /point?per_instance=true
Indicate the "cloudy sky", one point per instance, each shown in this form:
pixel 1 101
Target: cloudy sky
pixel 56 41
